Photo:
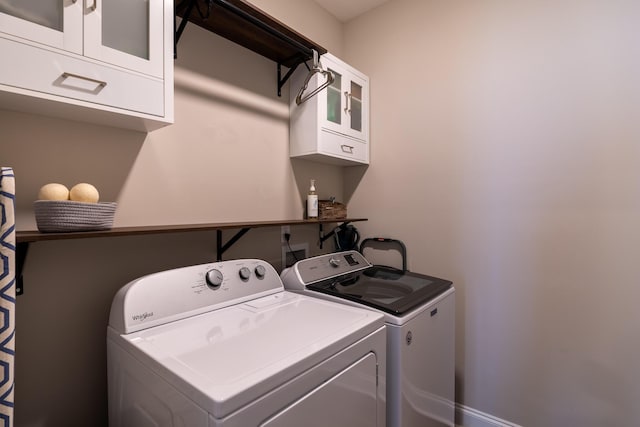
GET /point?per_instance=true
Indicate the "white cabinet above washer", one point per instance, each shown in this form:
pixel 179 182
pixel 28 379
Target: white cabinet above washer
pixel 332 126
pixel 108 62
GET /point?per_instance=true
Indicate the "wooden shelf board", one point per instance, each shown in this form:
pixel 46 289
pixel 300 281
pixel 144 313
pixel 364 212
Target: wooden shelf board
pixel 36 236
pixel 245 32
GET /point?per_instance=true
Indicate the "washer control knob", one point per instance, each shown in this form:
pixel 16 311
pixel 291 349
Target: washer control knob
pixel 260 271
pixel 214 278
pixel 335 262
pixel 244 273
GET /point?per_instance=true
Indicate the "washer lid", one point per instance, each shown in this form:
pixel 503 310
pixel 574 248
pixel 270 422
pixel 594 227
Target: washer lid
pixel 348 275
pixel 227 358
pixel 393 291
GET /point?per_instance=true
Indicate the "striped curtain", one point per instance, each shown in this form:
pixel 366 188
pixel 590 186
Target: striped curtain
pixel 7 293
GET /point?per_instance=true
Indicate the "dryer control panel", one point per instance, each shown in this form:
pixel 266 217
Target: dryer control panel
pixel 171 295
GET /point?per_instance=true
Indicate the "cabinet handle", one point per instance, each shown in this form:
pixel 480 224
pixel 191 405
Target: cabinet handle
pixel 100 83
pixel 347 148
pixel 94 5
pixel 347 98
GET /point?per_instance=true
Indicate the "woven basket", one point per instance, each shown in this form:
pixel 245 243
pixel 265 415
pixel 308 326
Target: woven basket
pixel 54 216
pixel 328 209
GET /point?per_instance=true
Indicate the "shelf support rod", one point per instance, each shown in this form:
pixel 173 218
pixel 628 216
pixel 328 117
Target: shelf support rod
pixel 221 249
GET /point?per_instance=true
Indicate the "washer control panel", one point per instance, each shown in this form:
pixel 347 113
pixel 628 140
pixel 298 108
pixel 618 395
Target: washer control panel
pixel 315 269
pixel 173 294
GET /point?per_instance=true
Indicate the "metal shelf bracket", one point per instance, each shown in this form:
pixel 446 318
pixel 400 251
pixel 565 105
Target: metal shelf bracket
pixel 283 80
pixel 178 31
pixel 323 237
pixel 220 248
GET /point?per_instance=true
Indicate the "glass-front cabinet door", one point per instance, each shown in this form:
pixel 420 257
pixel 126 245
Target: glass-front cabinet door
pixel 128 33
pixel 345 108
pixel 334 100
pixel 55 23
pixel 354 100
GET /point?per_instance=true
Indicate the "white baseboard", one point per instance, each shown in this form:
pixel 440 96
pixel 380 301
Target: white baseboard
pixel 469 417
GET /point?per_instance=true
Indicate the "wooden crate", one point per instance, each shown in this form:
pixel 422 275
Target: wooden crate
pixel 328 209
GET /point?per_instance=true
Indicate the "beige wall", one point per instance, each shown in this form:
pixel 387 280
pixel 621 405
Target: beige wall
pixel 505 154
pixel 224 160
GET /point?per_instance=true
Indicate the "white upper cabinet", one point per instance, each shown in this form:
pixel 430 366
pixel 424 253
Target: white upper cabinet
pixel 333 125
pixel 108 61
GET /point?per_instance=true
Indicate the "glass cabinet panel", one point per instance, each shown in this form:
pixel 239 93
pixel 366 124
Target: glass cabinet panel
pixel 125 26
pixel 355 98
pixel 48 13
pixel 127 33
pixel 334 99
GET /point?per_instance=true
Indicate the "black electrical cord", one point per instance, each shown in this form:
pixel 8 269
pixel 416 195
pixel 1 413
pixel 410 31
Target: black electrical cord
pixel 287 237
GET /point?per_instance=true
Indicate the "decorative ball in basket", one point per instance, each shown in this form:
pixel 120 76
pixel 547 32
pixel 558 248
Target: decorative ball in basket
pixel 60 210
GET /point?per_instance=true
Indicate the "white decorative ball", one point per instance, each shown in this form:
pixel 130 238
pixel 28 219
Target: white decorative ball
pixel 53 191
pixel 84 192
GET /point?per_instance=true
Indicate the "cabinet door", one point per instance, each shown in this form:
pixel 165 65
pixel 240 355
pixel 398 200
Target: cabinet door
pixel 345 104
pixel 127 33
pixel 55 23
pixel 356 105
pixel 332 105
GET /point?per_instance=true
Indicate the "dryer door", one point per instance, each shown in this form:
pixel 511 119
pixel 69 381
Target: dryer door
pixel 347 400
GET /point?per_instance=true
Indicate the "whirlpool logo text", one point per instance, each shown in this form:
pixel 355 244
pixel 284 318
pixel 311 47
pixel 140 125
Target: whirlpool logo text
pixel 142 317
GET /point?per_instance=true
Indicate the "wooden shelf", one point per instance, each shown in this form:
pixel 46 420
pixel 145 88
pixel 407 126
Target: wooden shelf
pixel 36 236
pixel 248 26
pixel 24 238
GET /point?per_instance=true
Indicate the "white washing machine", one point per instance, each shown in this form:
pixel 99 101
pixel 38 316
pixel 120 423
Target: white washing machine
pixel 223 344
pixel 419 314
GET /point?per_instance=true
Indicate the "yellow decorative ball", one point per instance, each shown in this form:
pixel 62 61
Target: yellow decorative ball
pixel 84 192
pixel 53 191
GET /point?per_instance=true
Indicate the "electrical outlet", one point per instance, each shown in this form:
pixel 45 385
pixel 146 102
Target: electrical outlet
pixel 285 229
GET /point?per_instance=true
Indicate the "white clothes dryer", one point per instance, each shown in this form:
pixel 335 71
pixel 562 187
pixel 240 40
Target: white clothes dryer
pixel 419 314
pixel 224 345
